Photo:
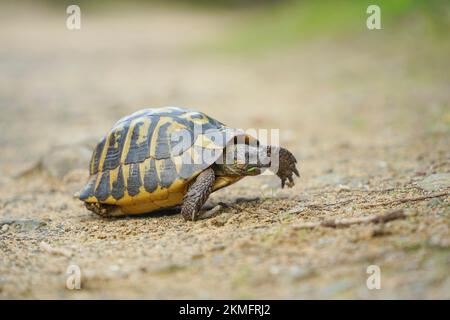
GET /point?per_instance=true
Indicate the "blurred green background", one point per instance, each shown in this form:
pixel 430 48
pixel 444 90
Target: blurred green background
pixel 270 24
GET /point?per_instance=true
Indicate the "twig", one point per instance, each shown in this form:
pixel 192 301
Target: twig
pixel 345 223
pixel 56 251
pixel 326 205
pixel 399 201
pixel 301 208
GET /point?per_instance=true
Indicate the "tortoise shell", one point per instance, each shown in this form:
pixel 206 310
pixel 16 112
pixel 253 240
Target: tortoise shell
pixel 148 159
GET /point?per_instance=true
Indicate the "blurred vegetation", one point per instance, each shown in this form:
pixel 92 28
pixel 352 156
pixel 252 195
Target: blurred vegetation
pixel 267 24
pixel 288 22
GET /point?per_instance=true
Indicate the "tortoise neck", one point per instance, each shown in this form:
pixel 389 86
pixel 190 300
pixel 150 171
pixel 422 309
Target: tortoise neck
pixel 223 170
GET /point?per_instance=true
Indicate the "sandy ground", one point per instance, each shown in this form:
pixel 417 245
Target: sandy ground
pixel 367 117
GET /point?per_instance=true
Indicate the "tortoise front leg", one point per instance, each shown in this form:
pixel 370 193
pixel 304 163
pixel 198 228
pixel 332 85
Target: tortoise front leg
pixel 286 166
pixel 197 194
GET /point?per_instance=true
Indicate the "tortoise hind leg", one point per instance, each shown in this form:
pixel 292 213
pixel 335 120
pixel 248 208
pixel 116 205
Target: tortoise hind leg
pixel 197 194
pixel 104 210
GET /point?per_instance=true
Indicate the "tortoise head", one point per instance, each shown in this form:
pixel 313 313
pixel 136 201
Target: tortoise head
pixel 242 160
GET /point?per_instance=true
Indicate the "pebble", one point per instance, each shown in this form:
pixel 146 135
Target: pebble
pixel 298 273
pixel 275 270
pixel 435 182
pixel 221 219
pixel 324 241
pixel 297 209
pixel 218 247
pixel 167 267
pixel 439 241
pixel 23 224
pixel 114 268
pixel 343 188
pixel 246 199
pixel 197 255
pixel 56 251
pixel 358 182
pixel 5 228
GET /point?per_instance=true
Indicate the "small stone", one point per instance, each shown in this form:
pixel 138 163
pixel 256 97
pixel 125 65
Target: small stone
pixel 275 270
pixel 55 251
pixel 422 171
pixel 246 199
pixel 358 182
pixel 197 256
pixel 5 228
pixel 298 273
pixel 221 219
pixel 435 182
pixel 379 231
pixel 218 247
pixel 167 267
pixel 324 241
pixel 297 209
pixel 382 164
pixel 439 241
pixel 24 225
pixel 114 268
pixel 343 188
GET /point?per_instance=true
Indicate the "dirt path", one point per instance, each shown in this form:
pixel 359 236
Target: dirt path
pixel 366 116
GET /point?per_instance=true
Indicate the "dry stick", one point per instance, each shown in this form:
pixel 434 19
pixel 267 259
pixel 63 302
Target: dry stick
pixel 319 206
pixel 379 204
pixel 392 215
pixel 398 201
pixel 406 187
pixel 344 223
pixel 326 205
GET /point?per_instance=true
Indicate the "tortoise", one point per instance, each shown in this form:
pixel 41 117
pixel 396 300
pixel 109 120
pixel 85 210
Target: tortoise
pixel 159 158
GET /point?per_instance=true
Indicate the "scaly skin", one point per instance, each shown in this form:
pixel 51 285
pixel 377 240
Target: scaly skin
pixel 200 190
pixel 197 194
pixel 287 167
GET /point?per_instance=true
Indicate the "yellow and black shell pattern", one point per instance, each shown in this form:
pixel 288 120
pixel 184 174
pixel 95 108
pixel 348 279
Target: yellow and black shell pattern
pixel 141 166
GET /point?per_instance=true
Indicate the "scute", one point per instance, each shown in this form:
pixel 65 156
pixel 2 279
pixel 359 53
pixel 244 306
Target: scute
pixel 134 180
pixel 151 179
pixel 118 185
pixel 114 151
pixel 102 191
pixel 168 173
pixel 139 142
pixel 162 150
pixel 95 160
